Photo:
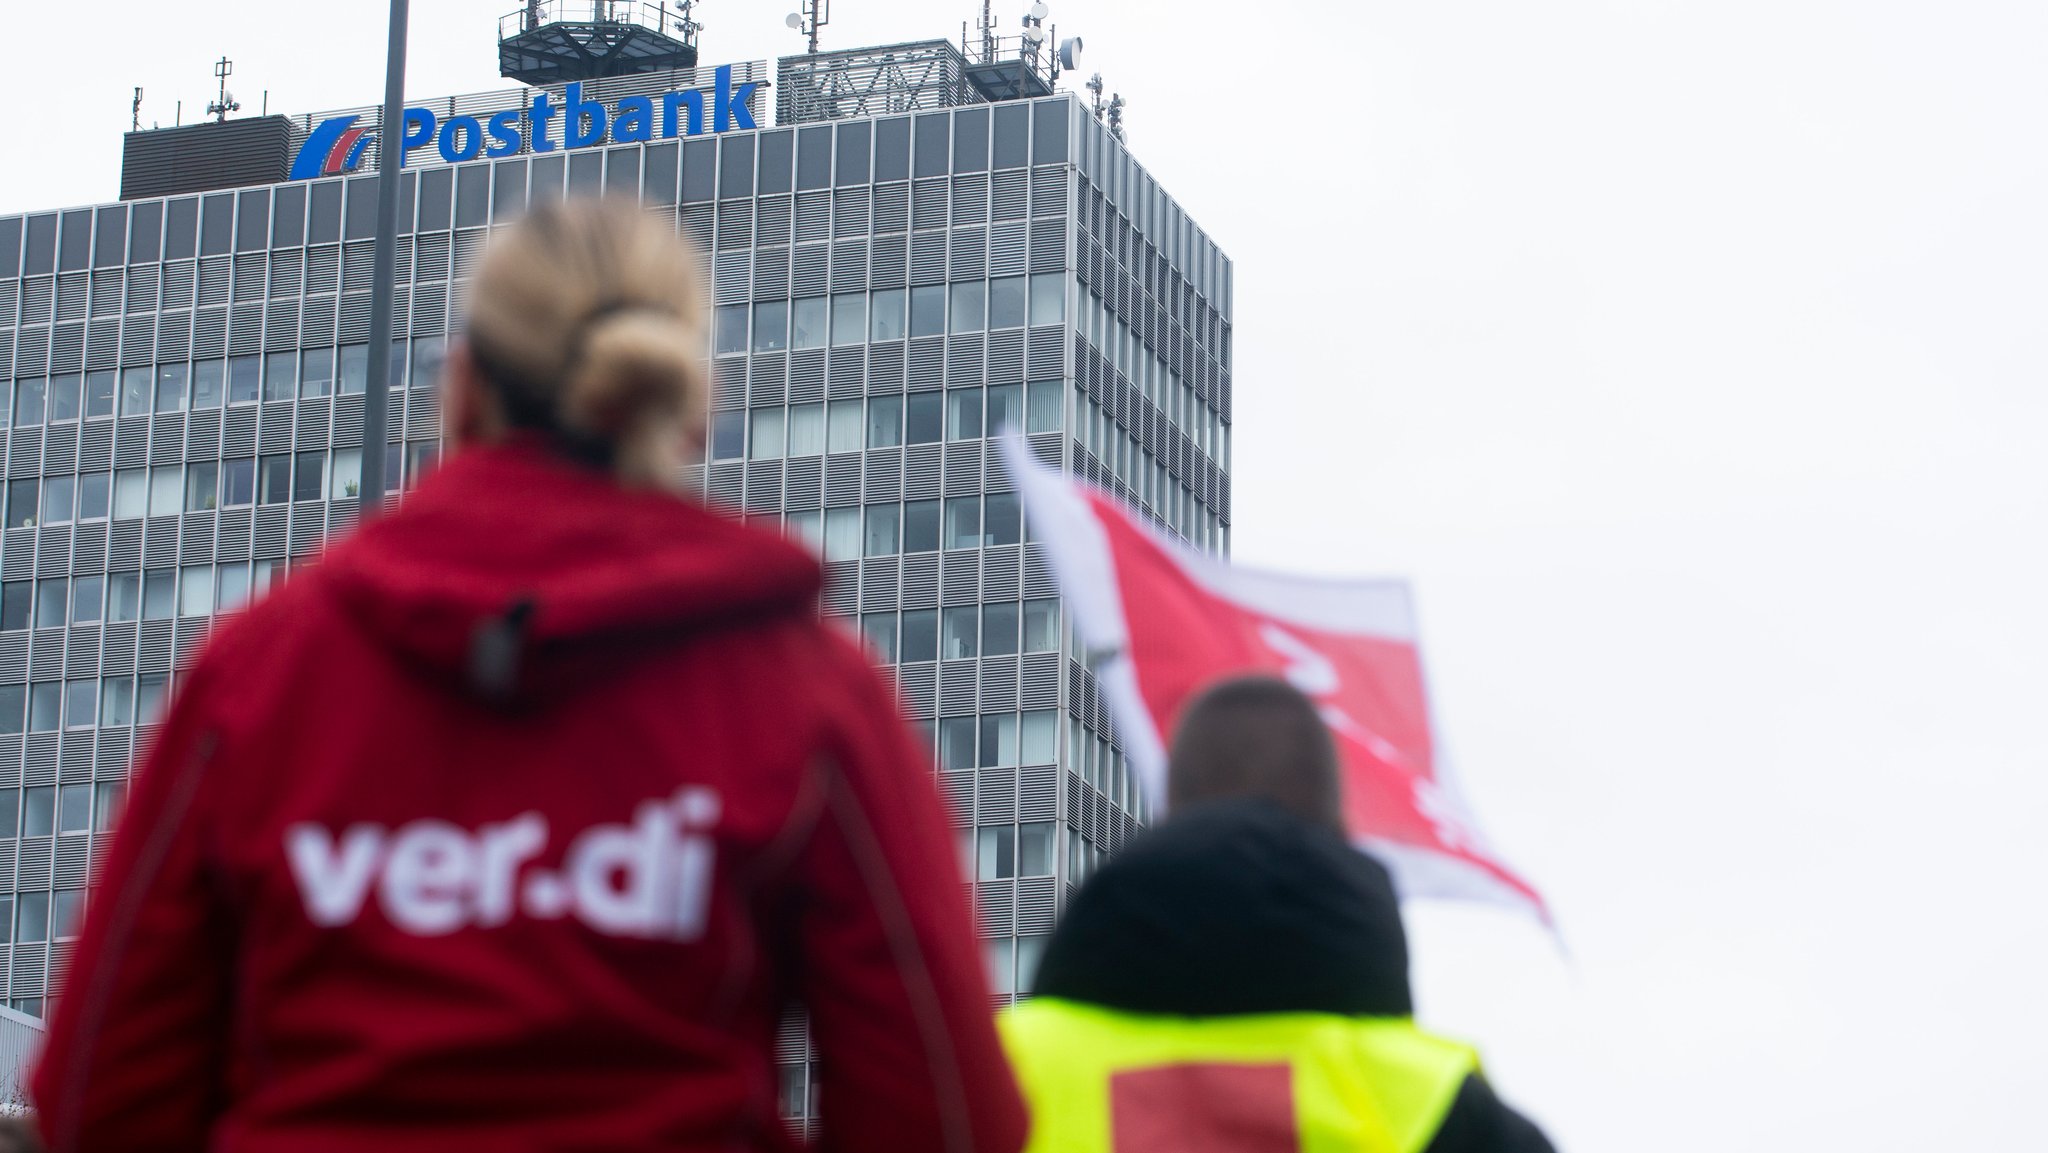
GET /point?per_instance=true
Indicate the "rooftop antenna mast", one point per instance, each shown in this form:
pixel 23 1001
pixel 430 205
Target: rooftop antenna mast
pixel 815 15
pixel 135 112
pixel 220 108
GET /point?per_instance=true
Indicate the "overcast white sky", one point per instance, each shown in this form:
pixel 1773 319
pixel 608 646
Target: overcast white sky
pixel 1690 359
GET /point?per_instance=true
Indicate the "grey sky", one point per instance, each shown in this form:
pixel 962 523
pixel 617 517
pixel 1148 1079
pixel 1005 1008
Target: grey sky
pixel 1689 359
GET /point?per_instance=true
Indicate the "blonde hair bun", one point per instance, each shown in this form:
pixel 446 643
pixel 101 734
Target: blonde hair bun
pixel 587 318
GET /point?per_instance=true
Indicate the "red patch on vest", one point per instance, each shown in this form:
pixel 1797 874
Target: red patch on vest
pixel 1203 1109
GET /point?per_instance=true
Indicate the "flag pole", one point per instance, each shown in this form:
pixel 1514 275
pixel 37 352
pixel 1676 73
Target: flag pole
pixel 383 271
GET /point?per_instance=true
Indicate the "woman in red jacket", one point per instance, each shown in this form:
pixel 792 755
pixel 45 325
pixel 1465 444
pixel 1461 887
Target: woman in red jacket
pixel 517 823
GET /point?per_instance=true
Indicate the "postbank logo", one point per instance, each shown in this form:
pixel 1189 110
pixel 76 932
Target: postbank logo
pixel 336 145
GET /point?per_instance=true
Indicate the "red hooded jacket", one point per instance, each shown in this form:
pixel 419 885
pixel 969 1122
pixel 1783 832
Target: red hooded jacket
pixel 515 825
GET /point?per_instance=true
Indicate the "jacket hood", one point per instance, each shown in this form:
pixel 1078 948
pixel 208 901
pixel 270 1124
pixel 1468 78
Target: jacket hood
pixel 1234 907
pixel 512 568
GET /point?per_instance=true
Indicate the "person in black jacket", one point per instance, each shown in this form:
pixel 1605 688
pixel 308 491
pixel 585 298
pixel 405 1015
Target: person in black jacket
pixel 1249 899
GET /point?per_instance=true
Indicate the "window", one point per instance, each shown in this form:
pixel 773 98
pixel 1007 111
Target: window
pixel 136 385
pixel 970 306
pixel 728 435
pixel 38 811
pixel 1034 849
pixel 429 353
pixel 1048 298
pixel 149 698
pixel 99 393
pixel 957 633
pixel 842 533
pixel 919 639
pixel 849 318
pixel 10 824
pixel 81 703
pixel 1000 958
pixel 131 493
pixel 17 598
pixel 1040 732
pixel 999 629
pixel 45 707
pixel 32 918
pixel 159 593
pixel 956 743
pixel 771 326
pixel 963 522
pixel 51 596
pixel 1005 408
pixel 345 479
pixel 1041 626
pixel 117 701
pixel 807 323
pixel 806 429
pixel 879 630
pixel 729 329
pixel 74 809
pixel 238 482
pixel 64 912
pixel 998 741
pixel 275 479
pixel 63 398
pixel 59 493
pixel 208 378
pixel 245 374
pixel 928 310
pixel 924 417
pixel 202 486
pixel 231 590
pixel 1044 406
pixel 86 594
pixel 124 596
pixel 885 315
pixel 171 380
pixel 995 855
pixel 280 376
pixel 1006 302
pixel 92 495
pixel 354 373
pixel 106 805
pixel 885 422
pixel 963 414
pixel 23 497
pixel 881 538
pixel 1030 950
pixel 316 372
pixel 420 458
pixel 1005 522
pixel 764 437
pixel 921 526
pixel 13 700
pixel 28 401
pixel 195 590
pixel 843 426
pixel 166 490
pixel 309 476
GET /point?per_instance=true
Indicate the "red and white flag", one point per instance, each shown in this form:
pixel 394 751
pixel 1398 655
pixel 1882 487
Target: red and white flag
pixel 1166 621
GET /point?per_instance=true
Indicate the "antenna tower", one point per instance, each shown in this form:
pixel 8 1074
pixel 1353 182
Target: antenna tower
pixel 135 112
pixel 220 108
pixel 815 15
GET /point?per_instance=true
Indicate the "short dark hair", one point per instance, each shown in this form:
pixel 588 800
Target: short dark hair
pixel 1256 736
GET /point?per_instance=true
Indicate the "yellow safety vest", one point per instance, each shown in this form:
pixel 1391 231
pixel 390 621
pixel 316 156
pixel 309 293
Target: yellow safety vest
pixel 1101 1081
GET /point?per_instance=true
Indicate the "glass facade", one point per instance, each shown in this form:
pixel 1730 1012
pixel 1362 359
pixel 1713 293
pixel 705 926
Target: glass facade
pixel 182 387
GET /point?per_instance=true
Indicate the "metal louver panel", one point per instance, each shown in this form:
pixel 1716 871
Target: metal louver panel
pixel 316 320
pixel 174 336
pixel 196 542
pixel 729 383
pixel 842 480
pixel 921 471
pixel 996 796
pixel 1049 191
pixel 963 468
pixel 102 345
pixel 53 554
pixel 885 367
pixel 956 688
pixel 771 273
pixel 1009 196
pixel 884 474
pixel 772 220
pixel 1005 357
pixel 46 663
pixel 732 275
pixel 957 787
pixel 999 572
pixel 846 373
pixel 850 211
pixel 14 662
pixel 920 581
pixel 998 684
pixel 813 216
pixel 769 380
pixel 232 532
pixel 67 347
pixel 1038 682
pixel 809 269
pixel 970 199
pixel 807 372
pixel 928 203
pixel 917 686
pixel 723 484
pixel 994 908
pixel 269 537
pixel 764 486
pixel 167 438
pixel 962 582
pixel 82 659
pixel 891 208
pixel 1007 246
pixel 878 584
pixel 889 261
pixel 153 647
pixel 69 869
pixel 963 360
pixel 60 448
pixel 850 266
pixel 1035 898
pixel 89 548
pixel 842 587
pixel 735 224
pixel 970 254
pixel 803 489
pixel 928 258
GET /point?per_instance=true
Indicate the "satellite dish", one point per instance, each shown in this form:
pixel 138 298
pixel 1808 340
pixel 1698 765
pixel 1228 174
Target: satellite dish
pixel 1070 52
pixel 1033 34
pixel 795 21
pixel 1038 11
